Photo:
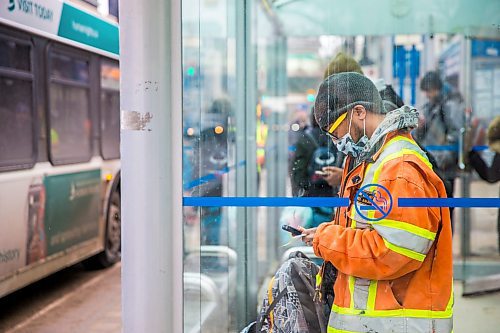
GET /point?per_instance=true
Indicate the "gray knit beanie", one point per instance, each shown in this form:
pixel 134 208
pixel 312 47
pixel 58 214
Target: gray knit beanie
pixel 339 93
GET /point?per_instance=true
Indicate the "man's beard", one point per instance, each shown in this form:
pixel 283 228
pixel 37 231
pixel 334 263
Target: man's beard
pixel 356 133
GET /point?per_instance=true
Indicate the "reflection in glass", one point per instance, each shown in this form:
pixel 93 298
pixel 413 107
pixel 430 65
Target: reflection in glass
pixel 63 66
pixel 288 47
pixel 110 75
pixel 70 125
pixel 208 165
pixel 110 110
pixel 15 55
pixel 16 121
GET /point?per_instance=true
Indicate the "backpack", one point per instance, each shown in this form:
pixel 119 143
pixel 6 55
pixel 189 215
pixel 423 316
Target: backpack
pixel 442 117
pixel 289 305
pixel 322 156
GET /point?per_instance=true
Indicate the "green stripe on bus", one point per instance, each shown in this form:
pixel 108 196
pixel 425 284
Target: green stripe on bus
pixel 87 29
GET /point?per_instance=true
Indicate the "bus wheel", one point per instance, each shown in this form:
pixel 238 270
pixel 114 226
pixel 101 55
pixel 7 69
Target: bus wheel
pixel 112 247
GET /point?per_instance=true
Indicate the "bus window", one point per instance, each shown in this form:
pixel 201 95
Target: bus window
pixel 70 124
pixel 16 105
pixel 110 110
pixel 68 68
pixel 15 55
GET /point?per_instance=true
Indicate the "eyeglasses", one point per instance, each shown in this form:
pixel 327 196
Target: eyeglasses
pixel 335 125
pixel 332 136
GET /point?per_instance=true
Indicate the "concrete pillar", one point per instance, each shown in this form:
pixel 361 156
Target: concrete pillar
pixel 151 154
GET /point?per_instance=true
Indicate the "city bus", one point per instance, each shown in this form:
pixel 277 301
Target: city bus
pixel 59 140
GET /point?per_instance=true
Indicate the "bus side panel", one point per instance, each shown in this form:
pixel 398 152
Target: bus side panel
pixel 72 209
pixel 14 202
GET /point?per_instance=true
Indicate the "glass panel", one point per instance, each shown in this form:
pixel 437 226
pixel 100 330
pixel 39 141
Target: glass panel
pixel 16 122
pixel 403 61
pixel 415 57
pixel 110 75
pixel 113 8
pixel 15 55
pixel 110 124
pixel 209 163
pixel 386 17
pixel 481 226
pixel 66 67
pixel 70 125
pixel 110 110
pixel 268 111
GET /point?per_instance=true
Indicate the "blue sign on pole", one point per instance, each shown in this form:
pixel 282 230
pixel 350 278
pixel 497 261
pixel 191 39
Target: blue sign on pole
pixel 414 72
pixel 485 48
pixel 406 62
pixel 399 66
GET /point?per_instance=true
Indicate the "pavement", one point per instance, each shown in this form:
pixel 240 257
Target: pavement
pixel 476 313
pixel 93 307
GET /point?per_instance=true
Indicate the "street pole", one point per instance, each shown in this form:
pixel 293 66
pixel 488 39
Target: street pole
pixel 151 155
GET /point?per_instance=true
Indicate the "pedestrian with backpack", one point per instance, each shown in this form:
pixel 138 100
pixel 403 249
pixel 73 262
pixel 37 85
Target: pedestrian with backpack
pixel 439 127
pixel 395 270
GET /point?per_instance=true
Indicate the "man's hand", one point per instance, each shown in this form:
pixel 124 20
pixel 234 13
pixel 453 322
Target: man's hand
pixel 309 235
pixel 334 175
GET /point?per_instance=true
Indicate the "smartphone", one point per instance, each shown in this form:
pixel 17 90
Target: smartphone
pixel 321 173
pixel 292 230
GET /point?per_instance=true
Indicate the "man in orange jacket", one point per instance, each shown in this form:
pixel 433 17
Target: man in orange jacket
pixel 394 265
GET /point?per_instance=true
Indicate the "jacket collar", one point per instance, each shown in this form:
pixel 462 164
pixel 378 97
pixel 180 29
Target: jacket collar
pixel 387 138
pixel 354 174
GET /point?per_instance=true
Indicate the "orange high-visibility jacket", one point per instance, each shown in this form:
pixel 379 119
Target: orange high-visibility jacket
pixel 395 274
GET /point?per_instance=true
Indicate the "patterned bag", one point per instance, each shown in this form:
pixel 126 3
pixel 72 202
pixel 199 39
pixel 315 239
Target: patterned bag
pixel 289 305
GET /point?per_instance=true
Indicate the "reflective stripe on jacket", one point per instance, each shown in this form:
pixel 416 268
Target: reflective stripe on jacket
pixel 395 274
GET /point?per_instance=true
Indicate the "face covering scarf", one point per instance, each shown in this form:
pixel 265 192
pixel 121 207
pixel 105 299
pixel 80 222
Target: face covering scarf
pixel 406 117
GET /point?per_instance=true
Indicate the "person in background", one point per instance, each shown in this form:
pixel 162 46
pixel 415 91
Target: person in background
pixel 395 274
pixel 390 98
pixel 342 63
pixel 491 173
pixel 315 152
pixel 439 127
pixel 298 125
pixel 210 162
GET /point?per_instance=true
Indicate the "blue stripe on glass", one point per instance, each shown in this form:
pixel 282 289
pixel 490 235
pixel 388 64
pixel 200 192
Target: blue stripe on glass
pixel 450 202
pixel 442 148
pixel 479 148
pixel 452 148
pixel 334 202
pixel 264 202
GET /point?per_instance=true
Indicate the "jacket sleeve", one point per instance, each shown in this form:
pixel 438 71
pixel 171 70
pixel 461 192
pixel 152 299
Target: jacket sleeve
pixel 490 174
pixel 391 247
